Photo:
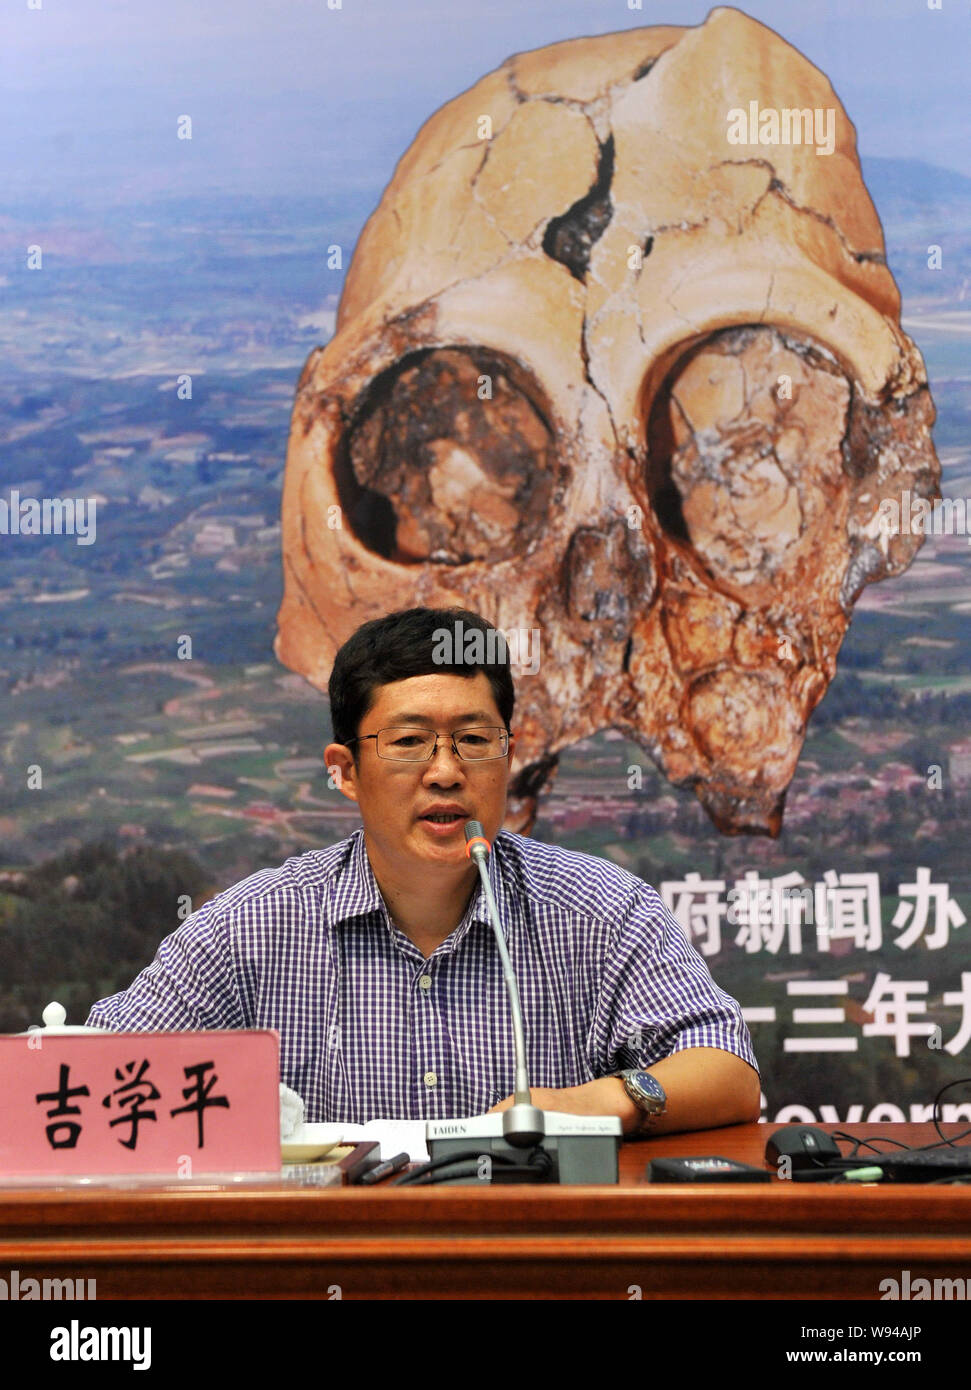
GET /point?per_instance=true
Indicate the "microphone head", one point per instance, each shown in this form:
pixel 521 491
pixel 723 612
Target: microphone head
pixel 475 838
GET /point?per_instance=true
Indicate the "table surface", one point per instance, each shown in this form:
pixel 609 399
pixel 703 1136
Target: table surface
pixel 778 1239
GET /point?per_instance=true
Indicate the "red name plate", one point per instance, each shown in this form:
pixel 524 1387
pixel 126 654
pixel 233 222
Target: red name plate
pixel 171 1104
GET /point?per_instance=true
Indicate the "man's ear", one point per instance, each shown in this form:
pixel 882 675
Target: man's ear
pixel 341 772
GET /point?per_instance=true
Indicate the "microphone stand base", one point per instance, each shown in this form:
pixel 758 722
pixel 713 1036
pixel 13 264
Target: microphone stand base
pixel 583 1148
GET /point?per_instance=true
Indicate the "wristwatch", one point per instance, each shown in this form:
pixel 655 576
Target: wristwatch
pixel 647 1094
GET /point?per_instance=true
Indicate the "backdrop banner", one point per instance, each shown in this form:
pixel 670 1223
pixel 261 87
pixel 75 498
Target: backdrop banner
pixel 642 330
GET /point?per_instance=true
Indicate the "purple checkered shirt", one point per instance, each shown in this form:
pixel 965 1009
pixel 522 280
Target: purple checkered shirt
pixel 370 1029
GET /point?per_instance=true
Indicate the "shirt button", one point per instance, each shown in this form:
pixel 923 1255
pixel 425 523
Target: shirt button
pixel 430 1079
pixel 425 983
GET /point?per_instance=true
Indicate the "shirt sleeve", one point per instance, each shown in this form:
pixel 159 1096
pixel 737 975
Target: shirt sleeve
pixel 191 983
pixel 658 997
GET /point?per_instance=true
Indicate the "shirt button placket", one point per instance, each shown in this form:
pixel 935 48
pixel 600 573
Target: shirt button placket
pixel 427 1033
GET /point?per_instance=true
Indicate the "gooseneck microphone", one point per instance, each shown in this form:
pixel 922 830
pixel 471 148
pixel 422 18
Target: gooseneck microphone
pixel 522 1124
pixel 521 1143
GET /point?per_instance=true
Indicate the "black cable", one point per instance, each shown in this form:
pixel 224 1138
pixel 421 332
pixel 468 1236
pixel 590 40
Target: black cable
pixel 843 1164
pixel 465 1155
pixel 858 1144
pixel 537 1167
pixel 455 1170
pixel 826 1173
pixel 943 1141
pixel 898 1144
pixel 471 1170
pixel 962 1081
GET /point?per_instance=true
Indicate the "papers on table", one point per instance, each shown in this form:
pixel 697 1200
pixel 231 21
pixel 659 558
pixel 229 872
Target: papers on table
pixel 394 1136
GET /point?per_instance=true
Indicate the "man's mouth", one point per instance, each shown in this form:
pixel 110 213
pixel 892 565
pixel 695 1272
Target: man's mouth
pixel 444 817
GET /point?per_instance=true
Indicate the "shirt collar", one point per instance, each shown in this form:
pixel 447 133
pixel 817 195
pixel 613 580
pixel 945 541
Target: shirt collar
pixel 356 892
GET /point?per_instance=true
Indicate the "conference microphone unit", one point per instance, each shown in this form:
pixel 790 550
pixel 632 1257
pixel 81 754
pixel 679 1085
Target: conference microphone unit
pixel 521 1143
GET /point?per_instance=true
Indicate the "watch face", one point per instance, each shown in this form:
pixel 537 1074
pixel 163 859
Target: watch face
pixel 650 1089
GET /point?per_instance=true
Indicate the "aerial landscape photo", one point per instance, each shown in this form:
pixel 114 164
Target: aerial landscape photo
pixel 153 750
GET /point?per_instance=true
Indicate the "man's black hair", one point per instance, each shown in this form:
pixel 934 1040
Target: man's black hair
pixel 414 642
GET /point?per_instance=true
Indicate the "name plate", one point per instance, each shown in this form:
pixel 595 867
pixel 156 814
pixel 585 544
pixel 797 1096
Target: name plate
pixel 177 1105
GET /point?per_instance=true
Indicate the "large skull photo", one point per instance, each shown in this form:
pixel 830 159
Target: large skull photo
pixel 697 393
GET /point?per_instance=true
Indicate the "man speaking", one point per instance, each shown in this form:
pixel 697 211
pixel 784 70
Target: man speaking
pixel 375 959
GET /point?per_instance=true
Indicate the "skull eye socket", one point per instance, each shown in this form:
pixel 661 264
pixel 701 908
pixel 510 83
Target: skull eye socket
pixel 745 450
pixel 448 459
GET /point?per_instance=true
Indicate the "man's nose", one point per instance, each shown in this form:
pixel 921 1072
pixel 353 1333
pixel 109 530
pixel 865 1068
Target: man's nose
pixel 444 761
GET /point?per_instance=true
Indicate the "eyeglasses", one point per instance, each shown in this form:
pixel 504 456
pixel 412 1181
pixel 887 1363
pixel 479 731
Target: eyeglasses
pixel 403 745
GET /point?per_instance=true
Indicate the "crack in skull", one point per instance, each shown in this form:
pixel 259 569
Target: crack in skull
pixel 570 239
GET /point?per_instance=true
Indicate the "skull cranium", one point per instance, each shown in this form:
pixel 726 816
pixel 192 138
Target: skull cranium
pixel 604 374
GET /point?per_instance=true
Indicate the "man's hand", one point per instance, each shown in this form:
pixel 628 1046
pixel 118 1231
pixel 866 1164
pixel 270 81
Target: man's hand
pixel 705 1088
